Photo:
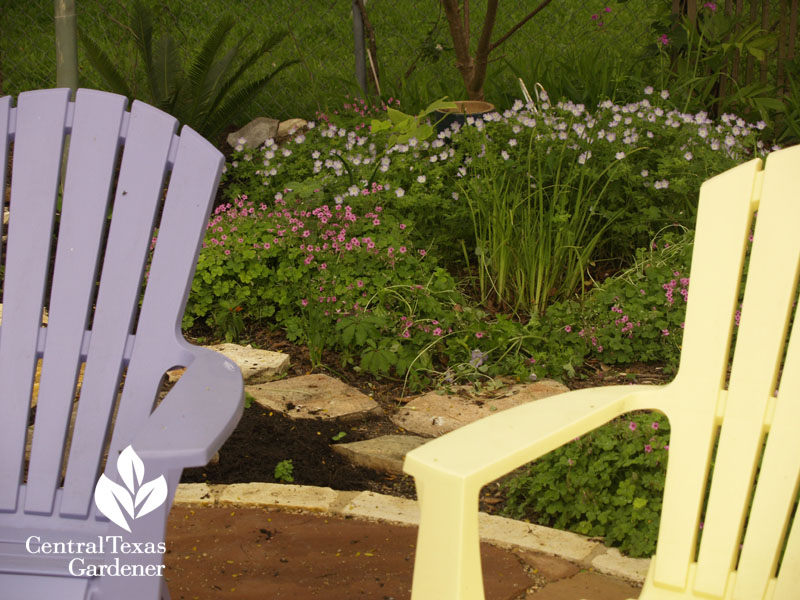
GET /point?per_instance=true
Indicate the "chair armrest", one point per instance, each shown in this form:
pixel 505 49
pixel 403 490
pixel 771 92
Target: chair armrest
pixel 197 415
pixel 495 445
pixel 450 470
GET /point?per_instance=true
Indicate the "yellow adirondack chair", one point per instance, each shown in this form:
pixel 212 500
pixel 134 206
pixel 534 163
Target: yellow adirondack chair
pixel 734 561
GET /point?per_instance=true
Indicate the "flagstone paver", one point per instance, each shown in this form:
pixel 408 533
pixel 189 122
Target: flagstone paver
pixel 257 365
pixel 384 453
pixel 436 413
pixel 314 396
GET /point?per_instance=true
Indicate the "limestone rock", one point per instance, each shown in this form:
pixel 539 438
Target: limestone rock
pixel 255 133
pixel 385 453
pixel 435 413
pixel 258 366
pixel 314 397
pixel 290 126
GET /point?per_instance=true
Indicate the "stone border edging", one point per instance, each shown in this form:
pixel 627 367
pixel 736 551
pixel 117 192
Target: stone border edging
pixel 500 531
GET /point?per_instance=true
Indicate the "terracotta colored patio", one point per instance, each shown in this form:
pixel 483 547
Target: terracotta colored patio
pixel 251 553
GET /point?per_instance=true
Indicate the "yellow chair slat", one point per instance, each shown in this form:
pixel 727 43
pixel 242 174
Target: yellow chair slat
pixel 724 219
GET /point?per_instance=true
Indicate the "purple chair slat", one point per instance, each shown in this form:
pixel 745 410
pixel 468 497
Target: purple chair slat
pixel 5 116
pixel 40 129
pixel 92 157
pixel 139 189
pixel 180 237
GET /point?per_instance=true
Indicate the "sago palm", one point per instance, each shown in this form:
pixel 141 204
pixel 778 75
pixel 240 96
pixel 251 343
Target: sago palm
pixel 203 96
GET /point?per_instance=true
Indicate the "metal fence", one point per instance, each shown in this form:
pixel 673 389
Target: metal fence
pixel 406 50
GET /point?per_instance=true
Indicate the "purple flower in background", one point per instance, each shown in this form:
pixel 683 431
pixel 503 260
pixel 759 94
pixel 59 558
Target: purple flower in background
pixel 477 358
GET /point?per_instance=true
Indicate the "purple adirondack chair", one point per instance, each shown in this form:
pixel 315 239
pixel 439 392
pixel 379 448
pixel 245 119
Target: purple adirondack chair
pixel 68 536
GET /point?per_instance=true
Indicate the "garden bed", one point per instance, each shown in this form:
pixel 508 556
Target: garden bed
pixel 264 438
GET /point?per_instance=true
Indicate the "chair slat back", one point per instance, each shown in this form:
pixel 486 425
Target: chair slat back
pixel 93 150
pixel 40 130
pixel 723 221
pixel 5 142
pixel 149 137
pixel 766 309
pixel 776 492
pixel 93 231
pixel 741 541
pixel 186 211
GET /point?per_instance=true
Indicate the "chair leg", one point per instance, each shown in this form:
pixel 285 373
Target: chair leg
pixel 164 590
pixel 448 562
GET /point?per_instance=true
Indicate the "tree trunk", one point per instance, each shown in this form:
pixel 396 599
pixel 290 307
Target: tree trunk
pixel 473 69
pixel 460 37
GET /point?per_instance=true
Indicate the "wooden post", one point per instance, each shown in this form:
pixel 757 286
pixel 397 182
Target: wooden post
pixel 66 45
pixel 66 22
pixel 358 39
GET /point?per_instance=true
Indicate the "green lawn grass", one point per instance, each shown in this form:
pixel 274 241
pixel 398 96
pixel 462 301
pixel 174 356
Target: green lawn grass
pixel 559 45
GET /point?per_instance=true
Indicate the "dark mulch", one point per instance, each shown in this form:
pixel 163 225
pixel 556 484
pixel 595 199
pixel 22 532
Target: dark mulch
pixel 264 438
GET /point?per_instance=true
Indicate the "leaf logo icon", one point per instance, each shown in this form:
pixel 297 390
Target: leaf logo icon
pixel 135 498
